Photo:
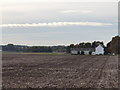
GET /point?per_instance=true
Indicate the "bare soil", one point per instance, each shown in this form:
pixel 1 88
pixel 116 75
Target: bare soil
pixel 59 71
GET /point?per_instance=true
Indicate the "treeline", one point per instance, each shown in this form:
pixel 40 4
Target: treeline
pixel 85 45
pixel 21 48
pixel 112 47
pixel 17 48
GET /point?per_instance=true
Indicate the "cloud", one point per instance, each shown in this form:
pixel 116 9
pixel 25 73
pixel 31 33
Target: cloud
pixel 57 24
pixel 76 11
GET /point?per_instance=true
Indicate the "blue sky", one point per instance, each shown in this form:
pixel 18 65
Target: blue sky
pixel 58 23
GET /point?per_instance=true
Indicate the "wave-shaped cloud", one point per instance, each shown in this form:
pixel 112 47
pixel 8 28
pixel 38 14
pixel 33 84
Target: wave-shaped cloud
pixel 57 24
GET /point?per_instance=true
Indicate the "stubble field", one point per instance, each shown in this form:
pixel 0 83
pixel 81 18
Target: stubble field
pixel 59 71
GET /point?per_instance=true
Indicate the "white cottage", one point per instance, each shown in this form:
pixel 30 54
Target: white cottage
pixel 99 50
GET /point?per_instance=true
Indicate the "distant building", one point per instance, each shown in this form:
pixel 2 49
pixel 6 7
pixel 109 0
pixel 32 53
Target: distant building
pixel 99 50
pixel 86 51
pixel 74 51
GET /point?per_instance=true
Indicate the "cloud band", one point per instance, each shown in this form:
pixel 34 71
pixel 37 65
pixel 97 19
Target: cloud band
pixel 57 24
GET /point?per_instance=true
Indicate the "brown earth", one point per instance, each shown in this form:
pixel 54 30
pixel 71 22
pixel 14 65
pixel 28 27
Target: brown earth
pixel 60 71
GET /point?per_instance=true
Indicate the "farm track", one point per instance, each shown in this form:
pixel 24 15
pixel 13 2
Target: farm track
pixel 60 71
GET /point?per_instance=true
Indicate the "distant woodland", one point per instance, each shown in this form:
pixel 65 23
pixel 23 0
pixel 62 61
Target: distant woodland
pixel 22 48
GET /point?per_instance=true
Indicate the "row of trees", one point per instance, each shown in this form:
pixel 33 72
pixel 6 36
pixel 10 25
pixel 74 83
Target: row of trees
pixel 87 45
pixel 20 48
pixel 84 45
pixel 112 47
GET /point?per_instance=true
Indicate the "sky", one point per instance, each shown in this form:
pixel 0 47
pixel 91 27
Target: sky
pixel 47 23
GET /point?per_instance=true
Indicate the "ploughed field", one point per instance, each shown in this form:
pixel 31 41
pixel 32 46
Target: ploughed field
pixel 60 71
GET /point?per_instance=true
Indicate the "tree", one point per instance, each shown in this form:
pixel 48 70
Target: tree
pixel 71 45
pixel 114 45
pixel 82 45
pixel 82 53
pixel 90 53
pixel 76 46
pixel 88 45
pixel 68 49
